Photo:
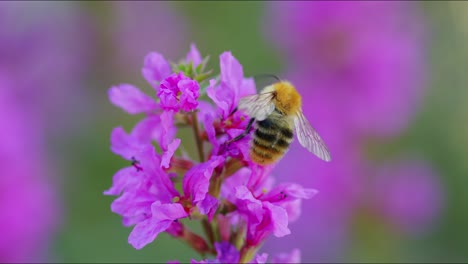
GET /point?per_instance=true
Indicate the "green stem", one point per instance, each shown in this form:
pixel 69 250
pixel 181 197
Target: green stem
pixel 196 131
pixel 215 183
pixel 197 243
pixel 209 231
pixel 247 254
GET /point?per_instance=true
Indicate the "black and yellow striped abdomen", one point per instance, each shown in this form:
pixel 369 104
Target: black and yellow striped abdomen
pixel 270 141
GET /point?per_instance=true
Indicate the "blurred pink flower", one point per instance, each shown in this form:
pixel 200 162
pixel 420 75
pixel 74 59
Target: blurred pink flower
pixel 408 194
pixel 361 71
pixel 364 61
pixel 28 200
pixel 45 49
pixel 140 26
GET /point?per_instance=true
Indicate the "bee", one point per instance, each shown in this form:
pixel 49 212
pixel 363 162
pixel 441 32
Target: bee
pixel 277 110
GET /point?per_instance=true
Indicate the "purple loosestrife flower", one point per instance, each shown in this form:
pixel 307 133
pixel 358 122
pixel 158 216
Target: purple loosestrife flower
pixel 179 92
pixel 236 200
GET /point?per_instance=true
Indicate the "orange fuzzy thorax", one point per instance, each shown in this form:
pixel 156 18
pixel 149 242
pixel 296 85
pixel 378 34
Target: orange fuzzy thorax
pixel 287 99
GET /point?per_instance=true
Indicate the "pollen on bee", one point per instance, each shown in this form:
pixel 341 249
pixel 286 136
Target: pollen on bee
pixel 288 100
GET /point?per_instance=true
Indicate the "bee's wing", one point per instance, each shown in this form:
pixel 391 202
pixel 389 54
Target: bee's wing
pixel 309 138
pixel 258 106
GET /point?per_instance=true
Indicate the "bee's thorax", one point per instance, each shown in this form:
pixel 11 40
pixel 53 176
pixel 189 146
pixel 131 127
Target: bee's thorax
pixel 287 99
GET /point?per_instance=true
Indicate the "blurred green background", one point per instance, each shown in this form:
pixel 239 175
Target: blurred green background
pixel 90 232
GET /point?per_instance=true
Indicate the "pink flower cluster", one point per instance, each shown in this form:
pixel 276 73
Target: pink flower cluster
pixel 236 200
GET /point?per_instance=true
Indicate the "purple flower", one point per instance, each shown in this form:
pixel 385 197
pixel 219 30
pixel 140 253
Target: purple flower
pixel 232 86
pixel 46 50
pixel 148 186
pixel 197 179
pixel 224 189
pixel 362 61
pixel 140 26
pixel 163 215
pixel 292 257
pixel 227 253
pixel 179 92
pixel 196 183
pixel 131 99
pixel 194 56
pixel 155 69
pixel 266 211
pixel 226 95
pixel 360 68
pixel 28 199
pixel 408 194
pixel 263 217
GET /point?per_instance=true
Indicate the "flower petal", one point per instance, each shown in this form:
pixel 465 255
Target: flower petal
pixel 163 216
pixel 279 220
pixel 146 231
pixel 190 92
pixel 167 155
pixel 168 129
pixel 287 192
pixel 147 129
pixel 194 56
pixel 232 73
pixel 208 206
pixel 134 207
pixel 171 212
pixel 155 68
pixel 121 179
pixel 207 116
pixel 221 97
pixel 123 144
pixel 131 99
pixel 197 180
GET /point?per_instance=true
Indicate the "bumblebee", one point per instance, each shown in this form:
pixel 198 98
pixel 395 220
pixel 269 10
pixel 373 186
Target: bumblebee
pixel 277 113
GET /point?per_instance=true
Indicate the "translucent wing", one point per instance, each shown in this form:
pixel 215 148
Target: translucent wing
pixel 258 106
pixel 309 138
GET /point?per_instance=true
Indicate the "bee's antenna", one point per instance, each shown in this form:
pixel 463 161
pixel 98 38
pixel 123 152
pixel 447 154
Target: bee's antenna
pixel 267 75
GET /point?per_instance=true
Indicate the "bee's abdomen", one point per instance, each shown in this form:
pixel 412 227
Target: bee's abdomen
pixel 270 142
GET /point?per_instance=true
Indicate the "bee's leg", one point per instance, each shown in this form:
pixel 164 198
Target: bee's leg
pixel 247 130
pixel 233 111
